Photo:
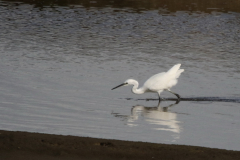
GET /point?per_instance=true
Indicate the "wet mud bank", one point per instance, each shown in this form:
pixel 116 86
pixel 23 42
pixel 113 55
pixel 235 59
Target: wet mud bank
pixel 25 145
pixel 141 5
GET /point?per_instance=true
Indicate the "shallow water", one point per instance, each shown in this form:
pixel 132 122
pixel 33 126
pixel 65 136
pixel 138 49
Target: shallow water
pixel 59 63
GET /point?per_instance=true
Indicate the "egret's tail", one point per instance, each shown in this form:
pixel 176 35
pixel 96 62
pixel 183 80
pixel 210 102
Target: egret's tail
pixel 174 69
pixel 179 72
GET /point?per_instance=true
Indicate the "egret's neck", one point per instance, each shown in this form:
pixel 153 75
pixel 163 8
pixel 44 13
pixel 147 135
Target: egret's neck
pixel 135 88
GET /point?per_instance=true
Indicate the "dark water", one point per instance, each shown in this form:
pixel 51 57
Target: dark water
pixel 60 59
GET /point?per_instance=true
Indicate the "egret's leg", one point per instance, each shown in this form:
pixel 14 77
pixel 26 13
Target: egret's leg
pixel 174 93
pixel 159 99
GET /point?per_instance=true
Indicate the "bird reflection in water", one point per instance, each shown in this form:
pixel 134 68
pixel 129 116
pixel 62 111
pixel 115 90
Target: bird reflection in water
pixel 159 118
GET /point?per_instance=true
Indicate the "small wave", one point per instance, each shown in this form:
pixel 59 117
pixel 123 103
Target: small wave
pixel 210 99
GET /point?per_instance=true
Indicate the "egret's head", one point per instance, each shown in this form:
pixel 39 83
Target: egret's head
pixel 126 83
pixel 130 82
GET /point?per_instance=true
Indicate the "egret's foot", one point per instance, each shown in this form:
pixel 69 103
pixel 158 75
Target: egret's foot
pixel 161 99
pixel 178 96
pixel 177 101
pixel 175 94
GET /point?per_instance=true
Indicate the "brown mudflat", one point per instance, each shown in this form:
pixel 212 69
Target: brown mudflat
pixel 36 146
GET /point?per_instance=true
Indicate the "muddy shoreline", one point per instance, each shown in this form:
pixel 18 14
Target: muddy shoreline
pixel 37 146
pixel 141 5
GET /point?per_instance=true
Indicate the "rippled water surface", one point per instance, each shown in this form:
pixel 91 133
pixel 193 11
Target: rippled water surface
pixel 59 62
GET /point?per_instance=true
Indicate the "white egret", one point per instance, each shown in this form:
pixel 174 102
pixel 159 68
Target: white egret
pixel 157 83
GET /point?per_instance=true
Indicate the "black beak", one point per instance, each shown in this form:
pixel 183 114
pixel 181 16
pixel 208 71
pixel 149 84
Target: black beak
pixel 119 86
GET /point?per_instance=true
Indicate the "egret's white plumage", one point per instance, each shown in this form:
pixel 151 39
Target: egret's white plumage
pixel 157 83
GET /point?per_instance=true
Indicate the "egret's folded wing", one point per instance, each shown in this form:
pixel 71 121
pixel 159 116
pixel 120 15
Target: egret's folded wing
pixel 156 82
